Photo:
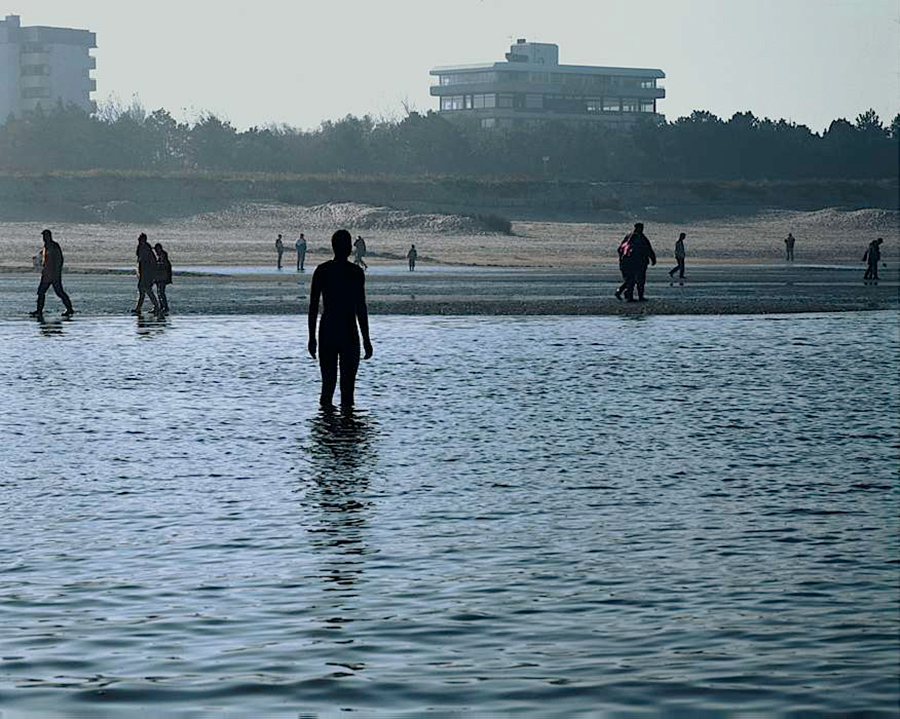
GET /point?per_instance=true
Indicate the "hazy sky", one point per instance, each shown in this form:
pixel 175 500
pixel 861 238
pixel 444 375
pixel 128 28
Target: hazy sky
pixel 303 62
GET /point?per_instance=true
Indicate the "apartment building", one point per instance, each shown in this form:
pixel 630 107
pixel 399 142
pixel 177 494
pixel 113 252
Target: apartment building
pixel 40 66
pixel 531 86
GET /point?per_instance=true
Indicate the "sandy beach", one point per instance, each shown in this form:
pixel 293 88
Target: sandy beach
pixel 225 264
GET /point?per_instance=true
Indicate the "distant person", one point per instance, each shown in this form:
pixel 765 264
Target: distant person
pixel 412 255
pixel 360 248
pixel 146 274
pixel 163 276
pixel 51 275
pixel 300 246
pixel 635 253
pixel 342 287
pixel 279 248
pixel 872 256
pixel 679 258
pixel 789 248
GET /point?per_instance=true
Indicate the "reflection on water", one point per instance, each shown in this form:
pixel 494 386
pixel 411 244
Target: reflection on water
pixel 148 326
pixel 571 517
pixel 50 328
pixel 341 457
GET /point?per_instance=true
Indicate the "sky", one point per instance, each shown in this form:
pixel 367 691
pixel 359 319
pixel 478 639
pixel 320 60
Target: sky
pixel 300 63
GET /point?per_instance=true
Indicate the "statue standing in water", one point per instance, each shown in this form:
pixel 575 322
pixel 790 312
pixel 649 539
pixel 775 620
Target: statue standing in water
pixel 342 287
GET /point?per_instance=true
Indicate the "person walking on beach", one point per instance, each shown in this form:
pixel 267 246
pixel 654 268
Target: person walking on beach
pixel 872 256
pixel 279 248
pixel 412 255
pixel 679 258
pixel 635 253
pixel 146 274
pixel 51 275
pixel 360 247
pixel 789 248
pixel 342 288
pixel 300 246
pixel 163 276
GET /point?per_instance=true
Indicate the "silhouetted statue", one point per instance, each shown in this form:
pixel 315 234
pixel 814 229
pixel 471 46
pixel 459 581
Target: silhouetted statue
pixel 679 258
pixel 360 249
pixel 51 275
pixel 163 276
pixel 789 247
pixel 872 256
pixel 635 253
pixel 279 248
pixel 146 274
pixel 300 246
pixel 342 286
pixel 412 256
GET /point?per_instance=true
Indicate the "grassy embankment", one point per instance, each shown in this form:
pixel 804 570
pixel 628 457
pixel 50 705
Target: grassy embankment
pixel 147 197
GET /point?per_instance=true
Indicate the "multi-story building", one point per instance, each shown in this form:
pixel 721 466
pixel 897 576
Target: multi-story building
pixel 531 86
pixel 40 66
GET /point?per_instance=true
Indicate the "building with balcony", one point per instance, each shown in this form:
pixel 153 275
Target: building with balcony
pixel 40 66
pixel 531 86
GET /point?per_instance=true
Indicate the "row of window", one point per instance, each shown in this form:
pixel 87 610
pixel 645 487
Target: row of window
pixel 553 103
pixel 30 93
pixel 550 78
pixel 29 70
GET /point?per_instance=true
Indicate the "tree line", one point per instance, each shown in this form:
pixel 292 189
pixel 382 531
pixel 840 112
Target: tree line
pixel 699 147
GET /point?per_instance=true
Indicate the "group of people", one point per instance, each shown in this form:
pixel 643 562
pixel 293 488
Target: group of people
pixel 635 254
pixel 358 251
pixel 153 270
pixel 299 246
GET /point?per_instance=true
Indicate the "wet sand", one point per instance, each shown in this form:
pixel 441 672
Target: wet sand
pixel 709 288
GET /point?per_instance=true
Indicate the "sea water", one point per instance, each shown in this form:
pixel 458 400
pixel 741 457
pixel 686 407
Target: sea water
pixel 614 517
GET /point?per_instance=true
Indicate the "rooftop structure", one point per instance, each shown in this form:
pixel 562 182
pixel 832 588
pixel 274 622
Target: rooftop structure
pixel 531 86
pixel 40 66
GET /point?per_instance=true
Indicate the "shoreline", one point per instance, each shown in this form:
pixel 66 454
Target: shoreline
pixel 709 289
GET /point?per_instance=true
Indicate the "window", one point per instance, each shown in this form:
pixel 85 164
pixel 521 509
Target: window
pixel 28 70
pixel 452 102
pixel 30 93
pixel 504 99
pixel 629 105
pixel 647 106
pixel 594 106
pixel 479 102
pixel 534 102
pixel 488 122
pixel 610 104
pixel 648 84
pixel 467 78
pixel 468 102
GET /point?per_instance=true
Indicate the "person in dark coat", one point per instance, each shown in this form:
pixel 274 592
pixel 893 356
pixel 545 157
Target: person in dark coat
pixel 871 258
pixel 163 276
pixel 51 275
pixel 146 274
pixel 635 253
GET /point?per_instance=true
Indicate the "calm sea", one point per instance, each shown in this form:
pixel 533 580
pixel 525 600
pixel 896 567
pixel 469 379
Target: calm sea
pixel 594 517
